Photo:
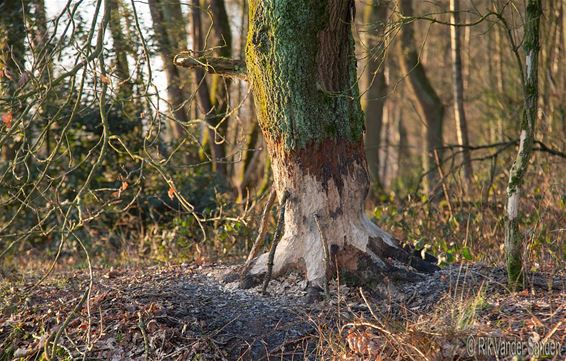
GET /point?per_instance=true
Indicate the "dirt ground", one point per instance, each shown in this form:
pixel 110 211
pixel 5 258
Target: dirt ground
pixel 185 312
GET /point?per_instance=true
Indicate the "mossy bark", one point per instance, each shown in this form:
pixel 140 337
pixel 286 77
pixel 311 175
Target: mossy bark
pixel 513 236
pixel 302 67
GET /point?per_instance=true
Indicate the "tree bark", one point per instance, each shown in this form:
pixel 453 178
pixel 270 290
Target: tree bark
pixel 301 64
pixel 206 103
pixel 429 104
pixel 174 82
pixel 513 236
pixel 12 59
pixel 375 17
pixel 458 89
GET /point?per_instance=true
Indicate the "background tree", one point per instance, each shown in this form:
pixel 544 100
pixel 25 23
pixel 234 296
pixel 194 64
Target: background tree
pixel 175 85
pixel 375 85
pixel 430 107
pixel 458 86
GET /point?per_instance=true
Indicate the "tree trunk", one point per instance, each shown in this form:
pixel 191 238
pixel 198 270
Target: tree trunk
pixel 205 100
pixel 513 237
pixel 375 17
pixel 301 64
pixel 458 87
pixel 430 106
pixel 41 50
pixel 12 58
pixel 174 83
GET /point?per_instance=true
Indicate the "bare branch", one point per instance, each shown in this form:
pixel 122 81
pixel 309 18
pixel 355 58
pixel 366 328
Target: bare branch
pixel 232 68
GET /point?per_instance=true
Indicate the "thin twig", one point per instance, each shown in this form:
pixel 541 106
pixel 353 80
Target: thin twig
pixel 141 326
pixel 442 181
pixel 276 236
pixel 261 235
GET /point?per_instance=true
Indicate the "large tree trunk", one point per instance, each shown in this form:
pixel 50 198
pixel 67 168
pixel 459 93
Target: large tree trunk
pixel 513 236
pixel 430 106
pixel 458 88
pixel 301 64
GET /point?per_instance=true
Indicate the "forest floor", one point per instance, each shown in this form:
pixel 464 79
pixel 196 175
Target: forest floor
pixel 186 312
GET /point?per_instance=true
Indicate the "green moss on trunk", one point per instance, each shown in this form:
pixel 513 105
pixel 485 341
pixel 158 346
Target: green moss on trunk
pixel 300 59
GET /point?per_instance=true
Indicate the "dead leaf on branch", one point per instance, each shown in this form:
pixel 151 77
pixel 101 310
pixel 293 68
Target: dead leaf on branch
pixel 7 119
pixel 171 192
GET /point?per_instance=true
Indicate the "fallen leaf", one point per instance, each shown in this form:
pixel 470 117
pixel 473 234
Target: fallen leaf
pixel 171 192
pixel 104 79
pixel 7 119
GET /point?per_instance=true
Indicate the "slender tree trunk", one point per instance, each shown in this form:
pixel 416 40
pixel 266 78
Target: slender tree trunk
pixel 500 78
pixel 12 59
pixel 204 97
pixel 513 236
pixel 375 17
pixel 430 106
pixel 131 126
pixel 41 51
pixel 458 85
pixel 178 38
pixel 219 86
pixel 174 82
pixel 301 65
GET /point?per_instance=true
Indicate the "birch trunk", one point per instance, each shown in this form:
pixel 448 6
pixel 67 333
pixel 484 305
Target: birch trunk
pixel 513 236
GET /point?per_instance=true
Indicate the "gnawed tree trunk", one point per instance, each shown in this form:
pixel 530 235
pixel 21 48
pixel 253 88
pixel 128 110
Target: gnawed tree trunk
pixel 458 88
pixel 429 104
pixel 513 236
pixel 301 64
pixel 375 17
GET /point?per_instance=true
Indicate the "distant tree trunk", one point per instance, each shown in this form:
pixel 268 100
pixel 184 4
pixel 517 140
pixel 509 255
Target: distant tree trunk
pixel 41 51
pixel 302 68
pixel 430 106
pixel 513 236
pixel 204 97
pixel 178 38
pixel 458 85
pixel 12 61
pixel 131 126
pixel 500 80
pixel 220 87
pixel 174 81
pixel 375 17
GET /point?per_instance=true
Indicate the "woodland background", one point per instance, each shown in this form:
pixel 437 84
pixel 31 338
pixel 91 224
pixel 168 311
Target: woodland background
pixel 111 154
pixel 129 186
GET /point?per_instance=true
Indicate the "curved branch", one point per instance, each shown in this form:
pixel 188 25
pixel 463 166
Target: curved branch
pixel 232 68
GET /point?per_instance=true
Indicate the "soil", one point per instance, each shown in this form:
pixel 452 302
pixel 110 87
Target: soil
pixel 184 312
